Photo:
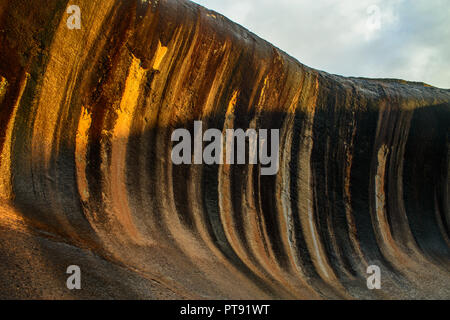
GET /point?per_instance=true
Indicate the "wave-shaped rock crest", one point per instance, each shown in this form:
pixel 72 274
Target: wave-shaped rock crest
pixel 86 175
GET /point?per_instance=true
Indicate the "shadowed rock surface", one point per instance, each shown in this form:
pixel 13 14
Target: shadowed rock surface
pixel 86 177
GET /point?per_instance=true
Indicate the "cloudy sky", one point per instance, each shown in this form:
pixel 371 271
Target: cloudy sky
pixel 405 39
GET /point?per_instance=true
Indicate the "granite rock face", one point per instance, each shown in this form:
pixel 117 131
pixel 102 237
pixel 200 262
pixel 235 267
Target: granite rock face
pixel 86 177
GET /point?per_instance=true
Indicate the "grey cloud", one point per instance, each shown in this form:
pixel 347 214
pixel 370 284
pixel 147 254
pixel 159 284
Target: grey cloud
pixel 411 43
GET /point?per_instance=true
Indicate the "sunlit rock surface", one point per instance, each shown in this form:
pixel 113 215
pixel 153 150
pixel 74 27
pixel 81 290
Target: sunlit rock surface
pixel 86 176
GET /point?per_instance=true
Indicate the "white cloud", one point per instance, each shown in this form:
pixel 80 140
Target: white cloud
pixel 371 38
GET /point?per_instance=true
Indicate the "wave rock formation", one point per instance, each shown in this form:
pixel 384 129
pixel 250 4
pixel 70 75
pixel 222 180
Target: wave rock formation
pixel 86 176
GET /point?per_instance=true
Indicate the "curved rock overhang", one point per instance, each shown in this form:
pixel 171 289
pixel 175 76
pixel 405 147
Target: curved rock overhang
pixel 86 176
